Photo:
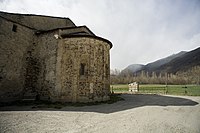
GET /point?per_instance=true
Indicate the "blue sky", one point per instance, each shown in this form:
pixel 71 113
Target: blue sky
pixel 141 31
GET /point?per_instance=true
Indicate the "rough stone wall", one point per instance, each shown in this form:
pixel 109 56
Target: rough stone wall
pixel 94 83
pixel 39 22
pixel 56 68
pixel 13 52
pixel 46 51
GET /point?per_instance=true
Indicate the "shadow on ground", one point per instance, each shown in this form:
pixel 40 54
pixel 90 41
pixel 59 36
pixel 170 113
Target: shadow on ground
pixel 130 101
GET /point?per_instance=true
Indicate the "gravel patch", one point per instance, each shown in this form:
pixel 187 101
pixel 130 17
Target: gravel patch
pixel 137 113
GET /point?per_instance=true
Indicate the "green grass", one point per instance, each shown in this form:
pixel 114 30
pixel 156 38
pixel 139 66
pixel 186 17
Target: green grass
pixel 191 90
pixel 119 88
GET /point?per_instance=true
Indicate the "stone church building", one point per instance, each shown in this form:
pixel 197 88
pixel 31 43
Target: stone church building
pixel 50 58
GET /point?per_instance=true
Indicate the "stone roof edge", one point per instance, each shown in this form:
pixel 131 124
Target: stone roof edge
pixel 37 15
pixel 18 23
pixel 89 36
pixel 63 28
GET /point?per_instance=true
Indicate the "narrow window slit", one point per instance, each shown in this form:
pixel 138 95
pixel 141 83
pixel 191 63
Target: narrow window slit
pixel 82 69
pixel 14 28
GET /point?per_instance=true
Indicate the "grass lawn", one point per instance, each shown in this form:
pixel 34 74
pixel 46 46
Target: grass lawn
pixel 191 90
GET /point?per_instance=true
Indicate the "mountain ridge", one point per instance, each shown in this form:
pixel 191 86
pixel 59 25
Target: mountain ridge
pixel 181 61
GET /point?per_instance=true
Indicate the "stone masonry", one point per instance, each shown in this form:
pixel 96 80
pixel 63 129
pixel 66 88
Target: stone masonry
pixel 52 58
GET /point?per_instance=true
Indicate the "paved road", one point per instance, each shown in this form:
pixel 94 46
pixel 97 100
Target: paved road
pixel 137 113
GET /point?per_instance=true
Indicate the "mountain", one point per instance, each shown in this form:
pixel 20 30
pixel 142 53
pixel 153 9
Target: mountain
pixel 132 68
pixel 181 63
pixel 155 65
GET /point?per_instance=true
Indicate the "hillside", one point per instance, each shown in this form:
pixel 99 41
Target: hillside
pixel 182 63
pixel 155 65
pixel 133 68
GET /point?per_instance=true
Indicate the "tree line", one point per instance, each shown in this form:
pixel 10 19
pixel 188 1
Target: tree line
pixel 191 76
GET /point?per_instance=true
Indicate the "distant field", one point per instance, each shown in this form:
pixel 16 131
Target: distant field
pixel 190 90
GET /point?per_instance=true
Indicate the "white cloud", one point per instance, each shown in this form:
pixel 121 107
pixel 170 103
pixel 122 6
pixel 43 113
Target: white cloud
pixel 141 30
pixel 195 41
